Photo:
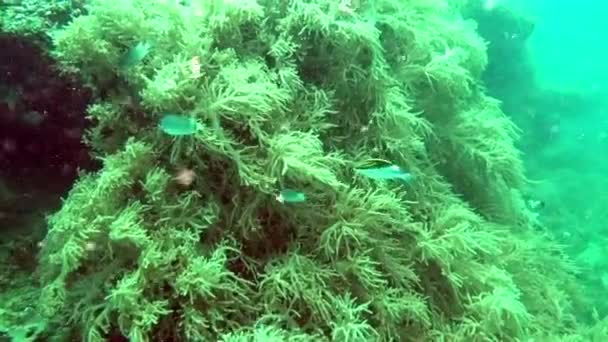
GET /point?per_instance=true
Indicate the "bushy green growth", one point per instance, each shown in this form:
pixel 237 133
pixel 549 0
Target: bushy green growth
pixel 97 42
pixel 81 230
pixel 500 313
pixel 302 284
pixel 35 18
pixel 290 94
pixel 298 157
pixel 350 325
pixel 436 55
pixel 263 332
pixel 18 319
pixel 478 156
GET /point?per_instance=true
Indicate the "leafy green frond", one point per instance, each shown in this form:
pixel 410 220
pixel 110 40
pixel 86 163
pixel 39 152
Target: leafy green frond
pixel 485 138
pixel 501 311
pixel 242 93
pixel 206 277
pixel 155 185
pixel 379 214
pixel 127 292
pixel 397 264
pixel 270 333
pixel 137 315
pixel 312 109
pixel 349 323
pixel 398 311
pixel 96 42
pixel 226 16
pixel 457 232
pixel 398 305
pixel 296 281
pixel 128 226
pixel 308 18
pixel 300 156
pixel 188 211
pixel 381 210
pixel 474 276
pixel 363 270
pixel 342 239
pixel 86 216
pixel 113 127
pixel 195 324
pixel 53 297
pixel 172 88
pixel 397 119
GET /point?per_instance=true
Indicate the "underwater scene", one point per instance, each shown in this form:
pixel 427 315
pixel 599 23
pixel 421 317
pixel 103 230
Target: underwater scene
pixel 303 170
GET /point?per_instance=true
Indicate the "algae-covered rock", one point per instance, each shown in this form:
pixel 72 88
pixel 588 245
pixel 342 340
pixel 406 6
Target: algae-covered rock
pixel 294 95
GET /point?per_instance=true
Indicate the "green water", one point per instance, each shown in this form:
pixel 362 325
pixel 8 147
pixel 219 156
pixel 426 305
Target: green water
pixel 565 136
pixel 568 46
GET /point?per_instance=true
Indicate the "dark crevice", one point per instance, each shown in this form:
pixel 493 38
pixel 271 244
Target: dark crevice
pixel 41 126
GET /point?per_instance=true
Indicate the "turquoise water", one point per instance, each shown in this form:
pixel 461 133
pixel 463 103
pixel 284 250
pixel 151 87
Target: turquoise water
pixel 568 46
pixel 565 135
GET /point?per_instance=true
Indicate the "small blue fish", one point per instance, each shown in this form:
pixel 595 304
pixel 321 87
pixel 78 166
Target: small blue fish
pixel 386 173
pixel 291 196
pixel 134 55
pixel 177 125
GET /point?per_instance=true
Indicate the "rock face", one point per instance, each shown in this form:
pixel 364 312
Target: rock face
pixel 41 113
pixel 41 129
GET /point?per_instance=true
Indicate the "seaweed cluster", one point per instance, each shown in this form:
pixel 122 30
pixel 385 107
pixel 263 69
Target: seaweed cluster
pixel 295 94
